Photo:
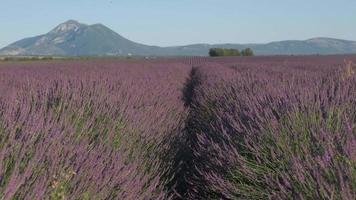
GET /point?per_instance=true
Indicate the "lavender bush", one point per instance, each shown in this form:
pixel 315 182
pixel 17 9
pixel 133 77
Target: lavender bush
pixel 274 133
pixel 88 130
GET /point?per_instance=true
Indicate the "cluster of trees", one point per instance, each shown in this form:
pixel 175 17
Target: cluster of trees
pixel 25 58
pixel 230 52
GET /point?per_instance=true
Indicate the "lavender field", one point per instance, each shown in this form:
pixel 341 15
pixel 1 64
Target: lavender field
pixel 278 127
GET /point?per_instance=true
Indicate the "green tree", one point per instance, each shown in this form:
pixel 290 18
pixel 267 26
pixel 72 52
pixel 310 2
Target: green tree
pixel 213 52
pixel 247 52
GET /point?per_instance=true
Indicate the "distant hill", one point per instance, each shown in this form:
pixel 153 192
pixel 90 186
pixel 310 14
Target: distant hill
pixel 72 38
pixel 290 47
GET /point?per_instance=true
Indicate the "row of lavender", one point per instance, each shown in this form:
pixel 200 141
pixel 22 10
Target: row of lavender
pixel 272 131
pixel 88 129
pixel 182 128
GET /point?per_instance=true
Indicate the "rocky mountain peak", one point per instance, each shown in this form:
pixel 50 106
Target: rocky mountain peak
pixel 68 26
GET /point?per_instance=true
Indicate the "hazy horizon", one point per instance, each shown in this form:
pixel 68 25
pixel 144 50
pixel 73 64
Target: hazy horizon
pixel 171 23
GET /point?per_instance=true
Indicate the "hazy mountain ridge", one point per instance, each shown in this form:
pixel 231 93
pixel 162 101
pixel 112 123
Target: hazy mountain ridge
pixel 72 38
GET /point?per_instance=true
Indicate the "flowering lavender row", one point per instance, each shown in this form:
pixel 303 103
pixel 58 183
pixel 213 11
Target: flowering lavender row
pixel 88 129
pixel 273 132
pixel 280 127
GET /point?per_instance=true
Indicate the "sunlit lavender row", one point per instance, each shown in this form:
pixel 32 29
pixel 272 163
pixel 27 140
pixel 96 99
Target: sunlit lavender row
pixel 273 131
pixel 88 130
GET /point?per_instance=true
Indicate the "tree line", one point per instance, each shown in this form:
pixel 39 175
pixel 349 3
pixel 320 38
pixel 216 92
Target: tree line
pixel 214 52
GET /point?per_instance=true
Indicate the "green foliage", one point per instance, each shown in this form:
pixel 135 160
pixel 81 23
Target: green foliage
pixel 58 106
pixel 118 134
pixel 59 192
pixel 61 185
pixel 84 196
pixel 223 52
pixel 8 166
pixel 15 197
pixel 25 160
pixel 27 58
pixel 334 119
pixel 79 119
pixel 279 155
pixel 3 135
pixel 247 52
pixel 99 128
pixel 115 192
pixel 215 52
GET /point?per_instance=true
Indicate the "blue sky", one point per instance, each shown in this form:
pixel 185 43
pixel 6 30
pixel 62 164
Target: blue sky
pixel 179 22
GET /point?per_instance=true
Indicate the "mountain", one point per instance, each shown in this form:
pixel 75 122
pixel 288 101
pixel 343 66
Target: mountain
pixel 290 47
pixel 72 38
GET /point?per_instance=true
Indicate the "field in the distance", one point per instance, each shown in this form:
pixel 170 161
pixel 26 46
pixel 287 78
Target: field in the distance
pixel 281 127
